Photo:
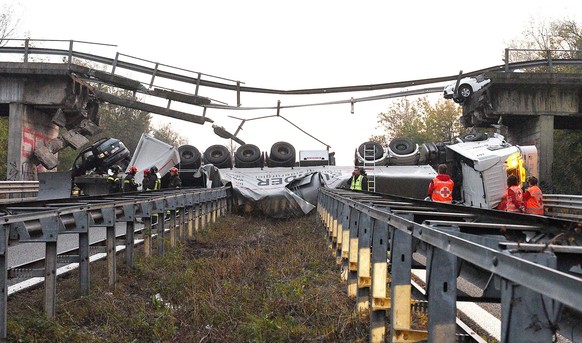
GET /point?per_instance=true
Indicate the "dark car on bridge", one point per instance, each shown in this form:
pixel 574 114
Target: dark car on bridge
pixel 100 156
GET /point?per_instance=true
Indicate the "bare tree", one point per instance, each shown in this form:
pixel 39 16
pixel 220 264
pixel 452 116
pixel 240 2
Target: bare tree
pixel 9 22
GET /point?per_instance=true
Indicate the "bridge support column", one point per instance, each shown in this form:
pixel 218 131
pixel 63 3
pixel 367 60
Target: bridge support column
pixel 538 131
pixel 27 128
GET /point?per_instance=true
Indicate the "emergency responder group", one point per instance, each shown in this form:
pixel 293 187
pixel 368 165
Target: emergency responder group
pixel 151 179
pixel 517 200
pixel 514 200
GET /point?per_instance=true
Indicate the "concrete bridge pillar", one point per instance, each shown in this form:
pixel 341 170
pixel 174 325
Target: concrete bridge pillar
pixel 531 106
pixel 28 128
pixel 538 131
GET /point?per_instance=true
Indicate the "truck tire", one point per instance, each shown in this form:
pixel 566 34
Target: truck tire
pixel 217 155
pixel 283 152
pixel 248 153
pixel 190 157
pixel 473 137
pixel 402 146
pixel 370 145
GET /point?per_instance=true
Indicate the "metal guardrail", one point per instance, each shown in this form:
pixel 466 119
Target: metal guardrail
pixel 16 191
pixel 363 229
pixel 44 221
pixel 563 206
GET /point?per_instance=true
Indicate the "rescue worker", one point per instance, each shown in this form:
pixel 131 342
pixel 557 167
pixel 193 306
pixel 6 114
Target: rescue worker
pixel 532 197
pixel 129 183
pixel 156 181
pixel 441 187
pixel 358 181
pixel 113 181
pixel 175 181
pixel 513 197
pixel 147 180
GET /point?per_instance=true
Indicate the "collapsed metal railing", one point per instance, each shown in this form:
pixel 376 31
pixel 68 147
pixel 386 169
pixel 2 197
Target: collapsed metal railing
pixel 372 234
pixel 188 210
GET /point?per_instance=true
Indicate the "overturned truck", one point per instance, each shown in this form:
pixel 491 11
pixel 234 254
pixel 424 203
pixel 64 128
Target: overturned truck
pixel 478 164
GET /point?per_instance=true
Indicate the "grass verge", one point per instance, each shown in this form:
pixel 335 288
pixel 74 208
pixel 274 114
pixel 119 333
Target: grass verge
pixel 246 279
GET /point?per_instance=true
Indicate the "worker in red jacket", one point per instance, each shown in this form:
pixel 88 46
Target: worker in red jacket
pixel 441 187
pixel 532 197
pixel 513 198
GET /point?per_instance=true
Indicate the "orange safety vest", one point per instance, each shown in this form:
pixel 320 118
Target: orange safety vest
pixel 442 191
pixel 518 196
pixel 535 204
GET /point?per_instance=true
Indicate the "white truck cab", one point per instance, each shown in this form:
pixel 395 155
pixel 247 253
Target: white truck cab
pixel 485 166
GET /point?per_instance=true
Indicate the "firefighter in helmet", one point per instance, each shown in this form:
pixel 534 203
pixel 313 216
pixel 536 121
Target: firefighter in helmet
pixel 175 181
pixel 129 183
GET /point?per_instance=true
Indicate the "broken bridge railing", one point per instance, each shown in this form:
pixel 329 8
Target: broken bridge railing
pixel 43 222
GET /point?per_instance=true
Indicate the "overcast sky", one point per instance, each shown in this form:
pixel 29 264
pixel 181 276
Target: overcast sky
pixel 296 45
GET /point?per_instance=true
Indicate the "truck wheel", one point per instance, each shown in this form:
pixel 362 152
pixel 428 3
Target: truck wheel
pixel 402 146
pixel 216 154
pixel 248 153
pixel 283 152
pixel 189 157
pixel 473 137
pixel 378 153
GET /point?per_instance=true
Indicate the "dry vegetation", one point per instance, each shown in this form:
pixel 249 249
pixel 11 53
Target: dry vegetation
pixel 243 280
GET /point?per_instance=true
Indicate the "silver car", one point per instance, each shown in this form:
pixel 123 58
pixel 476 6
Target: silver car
pixel 467 86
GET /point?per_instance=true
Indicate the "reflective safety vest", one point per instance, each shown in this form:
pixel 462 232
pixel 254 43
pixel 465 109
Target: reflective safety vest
pixel 518 196
pixel 535 204
pixel 442 191
pixel 357 183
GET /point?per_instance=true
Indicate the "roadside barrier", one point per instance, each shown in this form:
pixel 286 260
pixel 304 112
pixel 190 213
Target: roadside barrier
pixel 374 236
pixel 188 211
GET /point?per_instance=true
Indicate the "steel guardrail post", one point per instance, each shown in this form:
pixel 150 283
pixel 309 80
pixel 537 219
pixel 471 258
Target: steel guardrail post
pixel 345 251
pixel 401 290
pixel 161 226
pixel 527 316
pixel 379 296
pixel 84 271
pixel 4 234
pixel 70 54
pixel 506 60
pixel 204 210
pixel 214 203
pixel 26 50
pixel 129 242
pixel 442 295
pixel 332 221
pixel 50 226
pixel 364 277
pixel 110 244
pixel 353 254
pixel 197 209
pixel 336 234
pixel 190 219
pixel 146 216
pixel 170 210
pixel 344 223
pixel 129 218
